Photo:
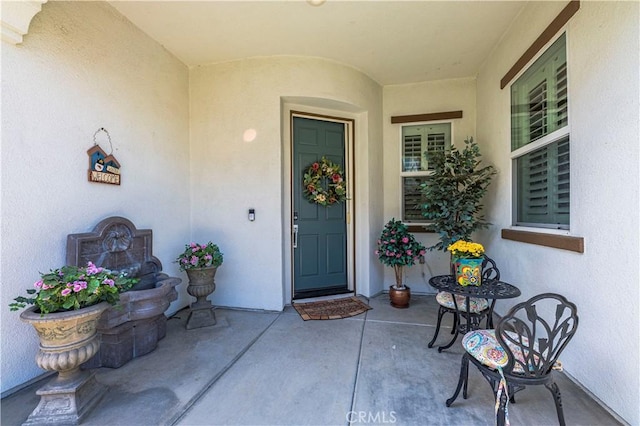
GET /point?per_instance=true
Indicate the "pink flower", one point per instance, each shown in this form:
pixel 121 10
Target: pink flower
pixel 392 240
pixel 409 252
pixel 195 249
pixel 78 286
pixel 192 245
pixel 65 292
pixel 109 282
pixel 398 255
pixel 405 240
pixel 377 252
pixel 38 284
pixel 194 260
pixel 422 252
pixel 93 269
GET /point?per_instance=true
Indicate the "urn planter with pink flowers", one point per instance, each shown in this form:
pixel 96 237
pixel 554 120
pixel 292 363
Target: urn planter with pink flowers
pixel 398 248
pixel 68 303
pixel 201 262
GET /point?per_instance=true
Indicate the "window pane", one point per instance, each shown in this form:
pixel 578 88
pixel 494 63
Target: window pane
pixel 561 96
pixel 537 114
pixel 436 142
pixel 562 187
pixel 420 139
pixel 543 185
pixel 412 153
pixel 411 199
pixel 539 97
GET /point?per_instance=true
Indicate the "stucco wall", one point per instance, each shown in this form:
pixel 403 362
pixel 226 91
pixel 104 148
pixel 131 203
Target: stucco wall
pixel 604 117
pixel 422 98
pixel 81 67
pixel 229 175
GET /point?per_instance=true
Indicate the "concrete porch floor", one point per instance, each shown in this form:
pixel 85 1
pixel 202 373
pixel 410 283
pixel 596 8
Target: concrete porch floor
pixel 266 368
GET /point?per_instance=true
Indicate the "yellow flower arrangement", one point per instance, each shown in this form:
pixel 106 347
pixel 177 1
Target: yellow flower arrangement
pixel 463 248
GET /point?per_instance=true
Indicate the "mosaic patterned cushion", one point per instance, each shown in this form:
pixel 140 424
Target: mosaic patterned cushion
pixel 477 304
pixel 483 346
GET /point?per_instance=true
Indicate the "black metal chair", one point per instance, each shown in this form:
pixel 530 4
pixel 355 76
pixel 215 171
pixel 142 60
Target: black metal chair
pixel 522 350
pixel 479 307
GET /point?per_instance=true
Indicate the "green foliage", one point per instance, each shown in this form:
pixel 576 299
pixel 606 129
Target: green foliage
pixel 74 287
pixel 197 256
pixel 452 194
pixel 397 246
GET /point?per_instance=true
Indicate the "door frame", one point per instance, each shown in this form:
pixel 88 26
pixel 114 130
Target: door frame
pixel 349 171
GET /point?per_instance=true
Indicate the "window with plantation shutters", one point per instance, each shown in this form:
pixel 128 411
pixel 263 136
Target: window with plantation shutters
pixel 540 141
pixel 417 142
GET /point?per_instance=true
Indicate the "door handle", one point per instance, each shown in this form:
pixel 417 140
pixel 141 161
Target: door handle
pixel 295 236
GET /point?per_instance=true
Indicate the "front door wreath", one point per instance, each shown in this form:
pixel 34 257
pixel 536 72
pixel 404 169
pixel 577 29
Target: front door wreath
pixel 324 183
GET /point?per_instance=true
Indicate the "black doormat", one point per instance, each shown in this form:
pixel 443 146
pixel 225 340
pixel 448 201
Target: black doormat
pixel 331 309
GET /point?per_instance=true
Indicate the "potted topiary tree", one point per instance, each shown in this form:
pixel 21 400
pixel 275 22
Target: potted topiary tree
pixel 452 195
pixel 398 248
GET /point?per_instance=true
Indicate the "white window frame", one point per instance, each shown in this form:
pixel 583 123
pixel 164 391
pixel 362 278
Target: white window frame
pixel 420 173
pixel 537 144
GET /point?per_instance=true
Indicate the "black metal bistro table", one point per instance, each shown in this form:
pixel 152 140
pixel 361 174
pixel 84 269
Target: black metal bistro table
pixel 489 289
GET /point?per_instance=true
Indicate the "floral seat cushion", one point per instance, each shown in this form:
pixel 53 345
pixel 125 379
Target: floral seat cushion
pixel 483 346
pixel 477 304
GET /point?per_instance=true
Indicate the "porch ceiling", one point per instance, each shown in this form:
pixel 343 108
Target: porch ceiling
pixel 394 42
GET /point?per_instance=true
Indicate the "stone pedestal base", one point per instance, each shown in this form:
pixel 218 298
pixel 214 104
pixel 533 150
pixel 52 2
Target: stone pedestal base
pixel 201 284
pixel 66 402
pixel 201 316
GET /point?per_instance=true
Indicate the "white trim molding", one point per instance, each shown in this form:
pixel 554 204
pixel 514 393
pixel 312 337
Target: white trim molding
pixel 16 18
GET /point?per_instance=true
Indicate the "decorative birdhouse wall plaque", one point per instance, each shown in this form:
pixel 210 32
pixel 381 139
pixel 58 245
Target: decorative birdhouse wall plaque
pixel 103 168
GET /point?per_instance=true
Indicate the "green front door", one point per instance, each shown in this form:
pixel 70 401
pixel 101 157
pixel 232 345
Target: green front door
pixel 320 232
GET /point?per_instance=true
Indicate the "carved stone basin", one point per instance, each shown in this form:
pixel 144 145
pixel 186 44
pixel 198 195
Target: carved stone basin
pixel 134 327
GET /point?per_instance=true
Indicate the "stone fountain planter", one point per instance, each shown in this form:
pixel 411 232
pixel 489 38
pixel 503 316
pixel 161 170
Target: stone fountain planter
pixel 134 328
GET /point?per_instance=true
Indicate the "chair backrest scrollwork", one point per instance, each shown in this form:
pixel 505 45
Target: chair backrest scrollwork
pixel 535 332
pixel 490 270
